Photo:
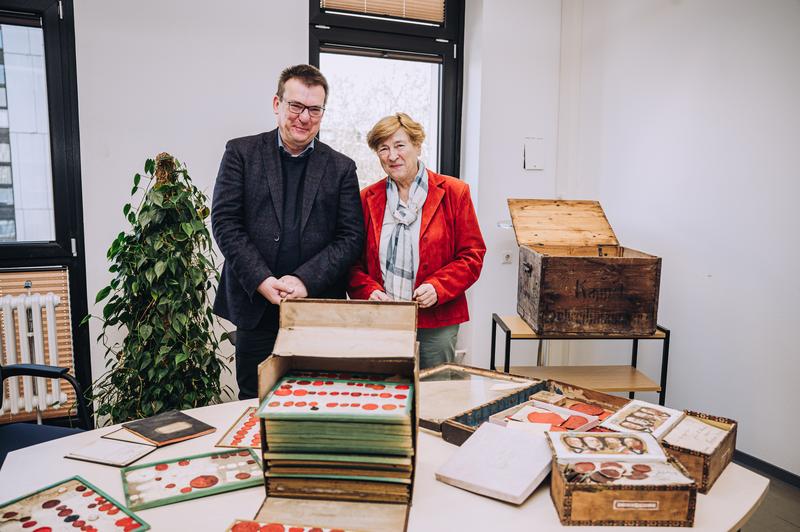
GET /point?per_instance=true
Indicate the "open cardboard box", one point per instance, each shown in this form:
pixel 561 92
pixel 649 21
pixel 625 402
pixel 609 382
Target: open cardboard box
pixel 342 336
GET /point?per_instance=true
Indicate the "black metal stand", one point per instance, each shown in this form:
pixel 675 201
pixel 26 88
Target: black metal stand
pixel 662 334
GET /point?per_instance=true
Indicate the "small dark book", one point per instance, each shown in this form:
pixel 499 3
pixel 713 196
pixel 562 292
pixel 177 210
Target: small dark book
pixel 169 427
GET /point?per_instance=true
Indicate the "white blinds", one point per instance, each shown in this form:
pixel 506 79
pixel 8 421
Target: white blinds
pixel 427 10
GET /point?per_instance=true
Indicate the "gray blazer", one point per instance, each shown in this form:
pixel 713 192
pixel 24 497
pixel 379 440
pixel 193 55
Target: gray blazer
pixel 246 217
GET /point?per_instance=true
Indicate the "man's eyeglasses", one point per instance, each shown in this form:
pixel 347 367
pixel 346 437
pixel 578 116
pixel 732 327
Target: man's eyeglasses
pixel 297 108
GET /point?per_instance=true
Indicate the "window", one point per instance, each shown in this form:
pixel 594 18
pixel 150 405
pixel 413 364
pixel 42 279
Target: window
pixel 26 192
pixel 41 220
pixel 385 57
pixel 389 85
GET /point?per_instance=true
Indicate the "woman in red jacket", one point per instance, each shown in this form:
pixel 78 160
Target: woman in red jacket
pixel 423 242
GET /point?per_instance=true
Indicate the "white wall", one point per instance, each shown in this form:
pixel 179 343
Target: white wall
pixel 688 134
pixel 511 92
pixel 681 117
pixel 181 76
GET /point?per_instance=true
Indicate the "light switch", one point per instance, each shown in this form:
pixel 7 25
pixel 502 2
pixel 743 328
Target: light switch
pixel 533 153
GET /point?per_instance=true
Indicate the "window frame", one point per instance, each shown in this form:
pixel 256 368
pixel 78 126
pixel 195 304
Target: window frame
pixel 67 249
pixel 445 41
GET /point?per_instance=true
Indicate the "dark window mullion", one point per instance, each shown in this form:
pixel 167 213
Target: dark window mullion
pixel 449 30
pixel 56 105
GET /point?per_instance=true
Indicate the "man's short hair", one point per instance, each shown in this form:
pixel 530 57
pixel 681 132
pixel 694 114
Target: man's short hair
pixel 389 125
pixel 309 75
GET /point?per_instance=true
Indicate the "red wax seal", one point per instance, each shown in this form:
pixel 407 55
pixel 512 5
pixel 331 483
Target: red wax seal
pixel 545 417
pixel 204 481
pixel 573 422
pixel 583 467
pixel 246 526
pixel 592 410
pixel 610 473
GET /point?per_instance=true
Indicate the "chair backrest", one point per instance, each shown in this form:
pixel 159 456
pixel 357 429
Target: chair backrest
pixel 35 327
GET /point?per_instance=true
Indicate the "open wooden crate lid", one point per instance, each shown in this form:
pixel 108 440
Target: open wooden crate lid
pixel 347 329
pixel 560 224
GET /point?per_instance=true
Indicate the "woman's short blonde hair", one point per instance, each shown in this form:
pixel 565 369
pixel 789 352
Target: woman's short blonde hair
pixel 389 125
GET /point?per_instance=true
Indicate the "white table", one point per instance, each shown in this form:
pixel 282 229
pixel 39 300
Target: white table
pixel 436 506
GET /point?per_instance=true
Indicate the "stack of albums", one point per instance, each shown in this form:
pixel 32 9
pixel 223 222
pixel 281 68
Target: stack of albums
pixel 339 439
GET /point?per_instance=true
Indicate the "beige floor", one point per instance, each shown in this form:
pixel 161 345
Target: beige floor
pixel 780 511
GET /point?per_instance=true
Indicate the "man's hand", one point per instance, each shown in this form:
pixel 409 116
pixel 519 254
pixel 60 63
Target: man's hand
pixel 274 290
pixel 425 295
pixel 297 288
pixel 377 295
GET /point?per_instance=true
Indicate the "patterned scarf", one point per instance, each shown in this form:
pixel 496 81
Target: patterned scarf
pixel 398 271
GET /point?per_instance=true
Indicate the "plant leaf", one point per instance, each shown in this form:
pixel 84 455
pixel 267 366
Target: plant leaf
pixel 102 294
pixel 160 267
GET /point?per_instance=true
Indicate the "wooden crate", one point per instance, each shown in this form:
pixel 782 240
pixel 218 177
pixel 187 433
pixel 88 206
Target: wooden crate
pixel 574 277
pixel 609 505
pixel 458 429
pixel 342 336
pixel 704 468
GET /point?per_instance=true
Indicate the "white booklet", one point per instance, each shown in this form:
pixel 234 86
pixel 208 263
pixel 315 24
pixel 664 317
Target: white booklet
pixel 500 463
pixel 640 416
pixel 111 451
pixel 697 435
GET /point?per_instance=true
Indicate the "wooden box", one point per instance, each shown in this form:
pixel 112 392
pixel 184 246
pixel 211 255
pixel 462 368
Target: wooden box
pixel 574 277
pixel 341 336
pixel 457 429
pixel 705 468
pixel 618 505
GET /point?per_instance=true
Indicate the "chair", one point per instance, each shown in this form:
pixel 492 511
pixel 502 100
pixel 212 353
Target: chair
pixel 15 436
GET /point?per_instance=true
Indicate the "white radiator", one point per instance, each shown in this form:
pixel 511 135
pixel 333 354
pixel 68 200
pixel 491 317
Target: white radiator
pixel 30 332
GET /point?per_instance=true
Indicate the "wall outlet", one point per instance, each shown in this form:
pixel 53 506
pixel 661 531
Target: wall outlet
pixel 460 355
pixel 508 257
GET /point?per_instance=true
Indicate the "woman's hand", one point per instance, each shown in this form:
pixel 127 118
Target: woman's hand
pixel 377 295
pixel 425 295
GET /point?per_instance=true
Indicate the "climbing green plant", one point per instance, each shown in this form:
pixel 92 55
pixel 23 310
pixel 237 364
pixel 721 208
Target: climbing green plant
pixel 162 270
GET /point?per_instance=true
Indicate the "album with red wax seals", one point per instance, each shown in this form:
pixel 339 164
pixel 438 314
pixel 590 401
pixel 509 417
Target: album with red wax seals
pixel 189 477
pixel 337 415
pixel 244 432
pixel 72 504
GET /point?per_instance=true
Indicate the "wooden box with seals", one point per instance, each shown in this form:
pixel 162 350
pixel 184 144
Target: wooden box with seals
pixel 704 454
pixel 338 338
pixel 704 444
pixel 630 483
pixel 574 277
pixel 461 424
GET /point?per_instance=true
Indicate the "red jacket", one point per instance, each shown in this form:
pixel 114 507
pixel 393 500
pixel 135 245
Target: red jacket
pixel 451 248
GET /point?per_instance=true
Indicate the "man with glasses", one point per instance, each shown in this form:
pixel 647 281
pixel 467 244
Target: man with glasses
pixel 287 217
